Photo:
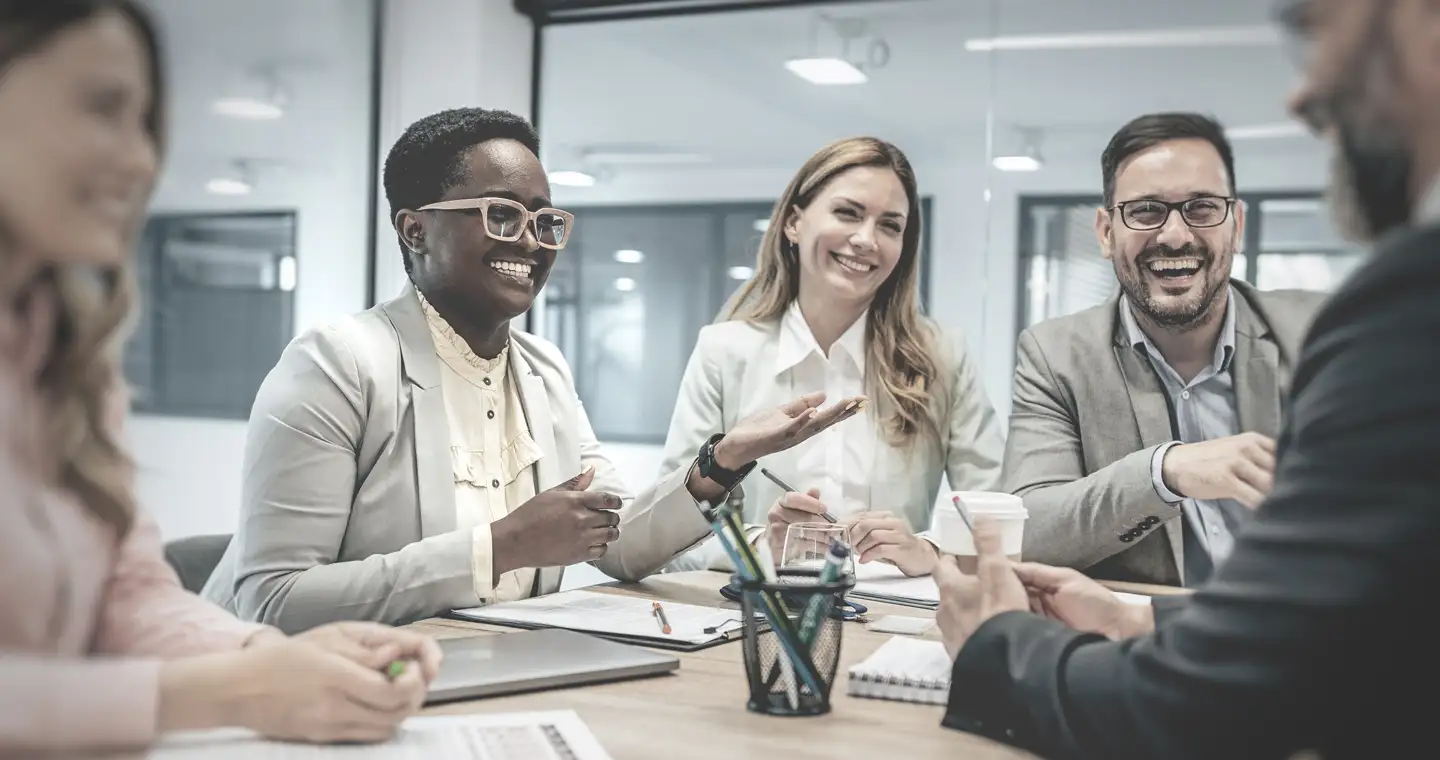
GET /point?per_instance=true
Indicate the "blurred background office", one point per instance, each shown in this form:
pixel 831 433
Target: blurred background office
pixel 668 128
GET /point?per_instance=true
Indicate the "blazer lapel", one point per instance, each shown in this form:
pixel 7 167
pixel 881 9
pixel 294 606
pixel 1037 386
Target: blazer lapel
pixel 435 479
pixel 1256 369
pixel 535 403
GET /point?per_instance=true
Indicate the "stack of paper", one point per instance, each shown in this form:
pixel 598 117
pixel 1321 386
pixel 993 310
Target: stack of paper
pixel 505 736
pixel 880 582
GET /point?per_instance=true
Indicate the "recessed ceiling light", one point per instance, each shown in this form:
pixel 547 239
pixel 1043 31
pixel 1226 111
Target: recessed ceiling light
pixel 247 108
pixel 741 273
pixel 572 179
pixel 227 186
pixel 761 225
pixel 624 284
pixel 629 256
pixel 1016 163
pixel 826 71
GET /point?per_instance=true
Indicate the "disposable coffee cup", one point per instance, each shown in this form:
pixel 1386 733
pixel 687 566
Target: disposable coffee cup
pixel 953 538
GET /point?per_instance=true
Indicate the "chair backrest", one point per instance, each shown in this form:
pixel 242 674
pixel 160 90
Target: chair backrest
pixel 194 558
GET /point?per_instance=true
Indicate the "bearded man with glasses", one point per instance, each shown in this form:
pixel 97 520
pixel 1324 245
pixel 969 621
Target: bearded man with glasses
pixel 1142 430
pixel 425 455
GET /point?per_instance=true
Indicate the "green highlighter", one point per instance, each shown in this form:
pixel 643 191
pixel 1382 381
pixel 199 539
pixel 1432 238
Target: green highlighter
pixel 396 669
pixel 820 604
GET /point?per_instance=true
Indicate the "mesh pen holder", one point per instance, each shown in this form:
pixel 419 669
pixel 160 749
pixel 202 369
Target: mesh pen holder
pixel 773 690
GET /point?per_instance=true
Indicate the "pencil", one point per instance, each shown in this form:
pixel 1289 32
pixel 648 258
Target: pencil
pixel 660 615
pixel 786 486
pixel 396 669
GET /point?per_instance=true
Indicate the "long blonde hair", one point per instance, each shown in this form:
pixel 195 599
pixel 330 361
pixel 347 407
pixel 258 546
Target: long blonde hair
pixel 81 377
pixel 900 367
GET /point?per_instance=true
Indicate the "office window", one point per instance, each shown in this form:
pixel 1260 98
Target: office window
pixel 218 308
pixel 629 294
pixel 1289 243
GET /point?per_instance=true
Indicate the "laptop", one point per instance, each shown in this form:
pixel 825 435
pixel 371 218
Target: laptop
pixel 548 658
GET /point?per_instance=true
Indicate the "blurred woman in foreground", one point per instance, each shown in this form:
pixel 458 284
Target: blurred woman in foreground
pixel 100 647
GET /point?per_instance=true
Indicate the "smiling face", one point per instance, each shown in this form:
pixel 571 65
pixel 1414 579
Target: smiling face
pixel 77 161
pixel 456 264
pixel 850 236
pixel 1174 274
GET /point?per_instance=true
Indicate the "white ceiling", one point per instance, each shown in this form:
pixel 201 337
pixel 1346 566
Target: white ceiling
pixel 716 84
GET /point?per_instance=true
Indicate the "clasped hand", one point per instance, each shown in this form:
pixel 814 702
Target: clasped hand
pixel 1000 585
pixel 562 526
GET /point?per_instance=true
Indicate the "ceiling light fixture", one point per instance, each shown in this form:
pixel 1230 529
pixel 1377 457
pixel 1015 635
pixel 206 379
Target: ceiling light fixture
pixel 760 225
pixel 261 98
pixel 252 109
pixel 629 256
pixel 572 178
pixel 740 273
pixel 624 284
pixel 826 71
pixel 227 186
pixel 1027 159
pixel 820 69
pixel 1277 131
pixel 1223 36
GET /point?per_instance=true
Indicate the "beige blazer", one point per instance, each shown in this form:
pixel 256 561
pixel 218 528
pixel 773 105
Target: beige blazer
pixel 348 502
pixel 731 374
pixel 1089 412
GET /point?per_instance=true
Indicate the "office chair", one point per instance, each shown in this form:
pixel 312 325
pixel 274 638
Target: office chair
pixel 194 558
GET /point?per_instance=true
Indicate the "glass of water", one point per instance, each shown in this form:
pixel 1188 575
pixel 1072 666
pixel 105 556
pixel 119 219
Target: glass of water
pixel 806 545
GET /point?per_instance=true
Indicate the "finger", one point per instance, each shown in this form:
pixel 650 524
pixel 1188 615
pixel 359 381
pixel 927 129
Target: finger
pixel 891 553
pixel 988 540
pixel 1247 495
pixel 599 500
pixel 808 401
pixel 597 551
pixel 799 422
pixel 413 685
pixel 1045 577
pixel 803 502
pixel 1259 479
pixel 880 537
pixel 1261 458
pixel 595 519
pixel 947 575
pixel 579 482
pixel 370 688
pixel 788 516
pixel 410 645
pixel 1266 443
pixel 863 528
pixel 602 536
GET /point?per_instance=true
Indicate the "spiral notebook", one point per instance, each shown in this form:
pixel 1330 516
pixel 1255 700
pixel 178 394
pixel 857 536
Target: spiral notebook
pixel 904 670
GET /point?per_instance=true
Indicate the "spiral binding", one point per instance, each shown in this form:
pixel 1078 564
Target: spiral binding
pixel 899 688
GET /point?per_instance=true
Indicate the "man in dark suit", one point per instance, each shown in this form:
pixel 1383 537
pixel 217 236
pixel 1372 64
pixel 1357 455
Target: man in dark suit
pixel 1309 636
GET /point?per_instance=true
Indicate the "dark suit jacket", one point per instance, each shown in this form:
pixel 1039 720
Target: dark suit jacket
pixel 1310 636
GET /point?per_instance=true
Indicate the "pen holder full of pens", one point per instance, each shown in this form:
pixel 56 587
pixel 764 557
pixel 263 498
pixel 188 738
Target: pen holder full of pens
pixel 792 641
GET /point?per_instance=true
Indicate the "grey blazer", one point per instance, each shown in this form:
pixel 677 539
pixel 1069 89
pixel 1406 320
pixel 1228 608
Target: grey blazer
pixel 1089 412
pixel 348 503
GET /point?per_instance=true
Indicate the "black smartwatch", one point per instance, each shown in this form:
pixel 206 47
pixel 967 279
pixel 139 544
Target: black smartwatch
pixel 727 479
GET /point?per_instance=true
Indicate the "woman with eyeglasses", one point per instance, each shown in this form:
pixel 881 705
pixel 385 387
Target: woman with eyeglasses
pixel 833 307
pixel 426 455
pixel 100 647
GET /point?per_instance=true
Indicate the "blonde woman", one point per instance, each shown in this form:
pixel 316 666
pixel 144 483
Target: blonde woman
pixel 100 647
pixel 833 308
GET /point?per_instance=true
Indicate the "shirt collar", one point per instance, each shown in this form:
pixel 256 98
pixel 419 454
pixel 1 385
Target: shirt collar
pixel 452 349
pixel 797 343
pixel 1429 209
pixel 1224 348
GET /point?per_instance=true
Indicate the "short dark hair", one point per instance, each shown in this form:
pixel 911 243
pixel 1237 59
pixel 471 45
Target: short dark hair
pixel 426 160
pixel 1147 131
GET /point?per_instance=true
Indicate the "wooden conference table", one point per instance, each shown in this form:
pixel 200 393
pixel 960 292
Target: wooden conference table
pixel 698 713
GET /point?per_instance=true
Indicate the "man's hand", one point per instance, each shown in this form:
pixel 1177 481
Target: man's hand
pixel 1239 467
pixel 562 526
pixel 1077 601
pixel 883 536
pixel 967 601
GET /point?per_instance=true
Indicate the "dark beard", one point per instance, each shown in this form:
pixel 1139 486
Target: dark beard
pixel 1370 182
pixel 1137 291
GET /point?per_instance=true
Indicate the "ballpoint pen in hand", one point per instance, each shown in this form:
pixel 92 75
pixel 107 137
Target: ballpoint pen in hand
pixel 777 481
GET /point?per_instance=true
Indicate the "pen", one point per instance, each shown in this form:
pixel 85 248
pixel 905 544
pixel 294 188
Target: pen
pixel 777 481
pixel 959 507
pixel 660 615
pixel 396 669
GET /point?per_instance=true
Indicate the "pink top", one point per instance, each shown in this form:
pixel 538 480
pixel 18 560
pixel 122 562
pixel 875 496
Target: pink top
pixel 85 624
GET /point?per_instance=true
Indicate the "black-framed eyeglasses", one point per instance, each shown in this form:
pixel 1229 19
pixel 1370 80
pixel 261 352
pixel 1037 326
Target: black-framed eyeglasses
pixel 1151 214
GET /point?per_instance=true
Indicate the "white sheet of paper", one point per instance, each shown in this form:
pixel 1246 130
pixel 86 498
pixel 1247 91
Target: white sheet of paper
pixel 559 735
pixel 594 612
pixel 879 579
